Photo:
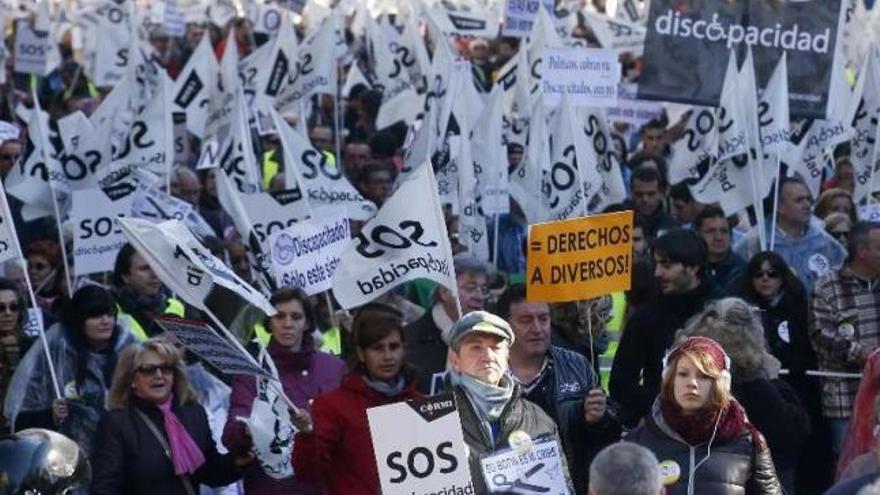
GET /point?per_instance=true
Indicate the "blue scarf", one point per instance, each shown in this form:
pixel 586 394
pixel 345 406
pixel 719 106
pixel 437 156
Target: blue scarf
pixel 488 400
pixel 385 388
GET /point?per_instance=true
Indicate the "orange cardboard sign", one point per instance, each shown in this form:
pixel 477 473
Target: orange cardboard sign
pixel 580 258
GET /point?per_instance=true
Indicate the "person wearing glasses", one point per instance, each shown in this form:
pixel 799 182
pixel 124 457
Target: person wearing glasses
pixel 84 346
pixel 427 338
pixel 46 273
pixel 559 381
pixel 13 341
pixel 838 226
pixel 156 437
pixel 845 323
pixel 771 286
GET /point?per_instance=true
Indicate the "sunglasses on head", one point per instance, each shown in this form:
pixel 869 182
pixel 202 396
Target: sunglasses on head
pixel 767 273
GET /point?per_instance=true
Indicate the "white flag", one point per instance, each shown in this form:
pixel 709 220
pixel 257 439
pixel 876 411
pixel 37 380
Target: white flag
pixel 773 112
pixel 194 86
pixel 565 185
pixel 600 151
pixel 150 141
pixel 400 101
pixel 490 158
pixel 617 34
pixel 732 139
pixel 526 179
pixel 864 111
pixel 399 244
pixel 237 157
pixel 9 247
pixel 354 78
pixel 184 265
pixel 325 186
pixel 697 148
pixel 38 180
pixel 315 70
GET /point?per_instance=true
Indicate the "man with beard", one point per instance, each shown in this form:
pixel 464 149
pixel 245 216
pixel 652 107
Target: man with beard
pixel 680 270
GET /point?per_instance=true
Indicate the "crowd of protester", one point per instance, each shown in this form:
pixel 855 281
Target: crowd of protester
pixel 712 352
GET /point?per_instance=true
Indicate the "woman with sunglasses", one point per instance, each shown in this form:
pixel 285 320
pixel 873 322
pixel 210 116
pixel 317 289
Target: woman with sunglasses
pixel 84 347
pixel 156 437
pixel 770 285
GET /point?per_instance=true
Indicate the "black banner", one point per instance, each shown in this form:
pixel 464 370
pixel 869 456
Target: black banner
pixel 689 41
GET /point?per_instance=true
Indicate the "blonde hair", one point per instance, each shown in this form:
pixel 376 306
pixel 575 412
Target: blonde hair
pixel 720 396
pixel 132 357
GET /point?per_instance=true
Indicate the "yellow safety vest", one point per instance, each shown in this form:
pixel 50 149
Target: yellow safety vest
pixel 174 307
pixel 332 338
pixel 270 168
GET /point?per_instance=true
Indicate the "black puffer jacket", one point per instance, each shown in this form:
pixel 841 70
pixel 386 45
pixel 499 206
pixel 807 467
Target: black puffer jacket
pixel 518 415
pixel 733 468
pixel 129 459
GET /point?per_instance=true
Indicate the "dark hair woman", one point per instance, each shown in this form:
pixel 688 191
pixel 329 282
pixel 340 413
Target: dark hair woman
pixel 84 347
pixel 333 447
pixel 304 373
pixel 156 437
pixel 700 432
pixel 770 284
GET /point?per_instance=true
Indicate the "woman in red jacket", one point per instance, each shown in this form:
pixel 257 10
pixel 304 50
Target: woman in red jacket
pixel 333 446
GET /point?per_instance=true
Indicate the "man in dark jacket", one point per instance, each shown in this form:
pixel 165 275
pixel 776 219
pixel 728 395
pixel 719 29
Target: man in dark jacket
pixel 427 337
pixel 679 267
pixel 559 381
pixel 724 266
pixel 495 419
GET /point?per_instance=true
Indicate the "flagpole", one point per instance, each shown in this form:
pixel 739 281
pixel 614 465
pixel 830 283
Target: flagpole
pixel 759 205
pixel 247 355
pixel 873 168
pixel 33 297
pixel 67 277
pixel 495 243
pixel 336 123
pixel 775 205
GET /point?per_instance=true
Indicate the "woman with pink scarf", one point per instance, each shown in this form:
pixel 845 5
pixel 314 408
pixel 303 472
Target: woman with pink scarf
pixel 156 438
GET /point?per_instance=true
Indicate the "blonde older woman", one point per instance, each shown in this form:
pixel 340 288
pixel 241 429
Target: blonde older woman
pixel 156 437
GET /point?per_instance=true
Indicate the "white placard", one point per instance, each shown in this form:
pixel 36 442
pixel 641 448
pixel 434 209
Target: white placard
pixel 536 470
pixel 173 19
pixel 631 110
pixel 589 76
pixel 31 50
pixel 870 213
pixel 305 255
pixel 519 15
pixel 419 447
pixel 96 237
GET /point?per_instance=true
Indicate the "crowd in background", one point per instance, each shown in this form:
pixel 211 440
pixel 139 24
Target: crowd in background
pixel 706 361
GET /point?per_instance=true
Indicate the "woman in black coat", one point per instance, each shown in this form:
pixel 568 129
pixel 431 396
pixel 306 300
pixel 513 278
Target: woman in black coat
pixel 770 285
pixel 156 438
pixel 700 433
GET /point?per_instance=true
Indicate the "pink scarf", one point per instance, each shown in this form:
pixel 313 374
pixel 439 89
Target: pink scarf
pixel 185 454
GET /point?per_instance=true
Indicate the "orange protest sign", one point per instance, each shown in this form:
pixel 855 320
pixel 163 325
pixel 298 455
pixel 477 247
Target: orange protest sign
pixel 580 258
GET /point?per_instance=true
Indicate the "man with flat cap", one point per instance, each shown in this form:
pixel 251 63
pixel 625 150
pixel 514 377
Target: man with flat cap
pixel 495 419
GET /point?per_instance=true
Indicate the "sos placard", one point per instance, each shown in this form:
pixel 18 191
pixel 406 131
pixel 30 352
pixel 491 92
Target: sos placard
pixel 96 237
pixel 419 447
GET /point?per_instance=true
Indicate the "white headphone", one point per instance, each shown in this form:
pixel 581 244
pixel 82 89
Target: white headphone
pixel 725 373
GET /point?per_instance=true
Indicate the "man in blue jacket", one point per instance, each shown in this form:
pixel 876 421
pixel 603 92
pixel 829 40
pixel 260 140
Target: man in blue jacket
pixel 559 381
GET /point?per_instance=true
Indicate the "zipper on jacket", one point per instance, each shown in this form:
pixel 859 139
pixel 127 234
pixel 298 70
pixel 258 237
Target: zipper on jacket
pixel 691 472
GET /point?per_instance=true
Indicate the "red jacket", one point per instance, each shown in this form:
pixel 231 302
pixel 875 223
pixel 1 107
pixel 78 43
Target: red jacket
pixel 339 453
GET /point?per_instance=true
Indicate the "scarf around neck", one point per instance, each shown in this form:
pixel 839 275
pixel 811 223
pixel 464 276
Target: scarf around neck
pixel 185 453
pixel 698 428
pixel 488 400
pixel 385 388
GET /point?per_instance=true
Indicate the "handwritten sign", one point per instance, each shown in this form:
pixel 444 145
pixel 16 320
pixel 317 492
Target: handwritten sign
pixel 589 76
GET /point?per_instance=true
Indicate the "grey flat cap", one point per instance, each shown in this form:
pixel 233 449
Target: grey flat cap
pixel 480 322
